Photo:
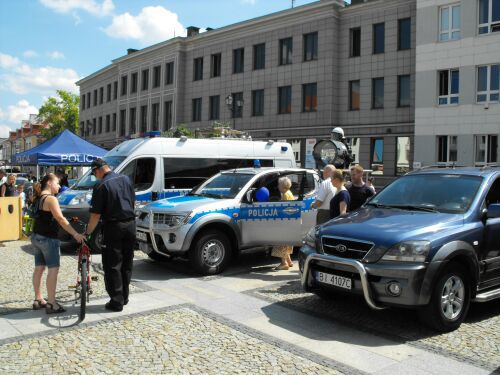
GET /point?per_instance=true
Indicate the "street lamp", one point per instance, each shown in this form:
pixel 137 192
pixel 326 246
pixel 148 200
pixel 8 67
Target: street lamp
pixel 234 106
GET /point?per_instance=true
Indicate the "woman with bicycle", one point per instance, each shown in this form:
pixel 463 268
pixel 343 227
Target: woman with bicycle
pixel 44 238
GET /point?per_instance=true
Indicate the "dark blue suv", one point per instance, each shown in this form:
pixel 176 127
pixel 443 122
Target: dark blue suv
pixel 430 240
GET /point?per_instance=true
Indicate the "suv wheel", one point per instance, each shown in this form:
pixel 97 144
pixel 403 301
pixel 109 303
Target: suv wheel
pixel 450 300
pixel 211 253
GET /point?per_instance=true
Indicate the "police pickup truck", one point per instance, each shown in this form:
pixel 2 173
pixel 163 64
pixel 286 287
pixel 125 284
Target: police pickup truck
pixel 232 211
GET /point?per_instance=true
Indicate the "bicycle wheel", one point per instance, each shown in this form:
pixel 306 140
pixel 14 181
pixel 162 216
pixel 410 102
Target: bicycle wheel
pixel 83 289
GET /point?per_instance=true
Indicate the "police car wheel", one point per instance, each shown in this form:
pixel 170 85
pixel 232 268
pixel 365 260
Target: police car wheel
pixel 211 253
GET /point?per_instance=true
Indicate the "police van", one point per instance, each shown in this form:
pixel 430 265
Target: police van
pixel 167 167
pixel 234 210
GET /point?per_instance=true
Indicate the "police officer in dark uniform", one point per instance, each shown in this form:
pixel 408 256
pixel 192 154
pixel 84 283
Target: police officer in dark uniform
pixel 113 200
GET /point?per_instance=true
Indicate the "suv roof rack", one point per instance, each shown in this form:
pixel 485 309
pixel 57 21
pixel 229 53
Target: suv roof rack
pixel 441 166
pixel 488 166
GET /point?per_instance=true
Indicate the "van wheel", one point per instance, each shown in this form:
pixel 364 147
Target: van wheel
pixel 450 300
pixel 211 253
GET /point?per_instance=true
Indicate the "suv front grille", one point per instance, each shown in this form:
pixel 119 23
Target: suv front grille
pixel 345 248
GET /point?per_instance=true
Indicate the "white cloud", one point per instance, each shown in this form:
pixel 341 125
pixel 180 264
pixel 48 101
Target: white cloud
pixel 30 53
pixel 4 131
pixel 152 25
pixel 18 112
pixel 93 7
pixel 56 55
pixel 21 78
pixel 250 2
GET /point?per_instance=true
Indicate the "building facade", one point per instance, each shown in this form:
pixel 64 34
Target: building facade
pixel 292 75
pixel 457 108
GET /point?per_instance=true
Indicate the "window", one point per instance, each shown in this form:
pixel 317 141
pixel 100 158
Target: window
pixel 489 16
pixel 215 65
pixel 449 22
pixel 196 110
pixel 100 124
pixel 404 34
pixel 379 38
pixel 486 149
pixel 488 83
pixel 83 101
pixel 88 100
pixel 311 46
pixel 355 42
pixel 156 76
pixel 115 90
pixel 447 149
pixel 257 102
pixel 403 154
pixel 133 89
pixel 237 111
pixel 108 123
pixel 284 99
pixel 214 110
pixel 95 98
pixel 169 73
pixel 354 95
pixel 259 56
pixel 238 60
pixel 144 118
pixel 448 87
pixel 155 116
pixel 167 115
pixel 108 92
pixel 141 173
pixel 377 156
pixel 113 128
pixel 123 119
pixel 123 91
pixel 198 69
pixel 145 79
pixel 133 120
pixel 94 126
pixel 404 90
pixel 309 97
pixel 377 93
pixel 101 95
pixel 285 52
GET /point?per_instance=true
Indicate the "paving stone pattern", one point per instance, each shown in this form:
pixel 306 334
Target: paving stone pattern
pixel 16 288
pixel 477 341
pixel 180 341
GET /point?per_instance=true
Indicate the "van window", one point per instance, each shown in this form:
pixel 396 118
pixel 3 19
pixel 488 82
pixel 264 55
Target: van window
pixel 141 172
pixel 185 173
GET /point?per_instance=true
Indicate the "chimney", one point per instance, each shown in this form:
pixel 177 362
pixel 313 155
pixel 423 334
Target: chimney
pixel 131 51
pixel 192 31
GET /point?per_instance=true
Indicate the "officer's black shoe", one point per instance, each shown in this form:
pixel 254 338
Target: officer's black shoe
pixel 113 307
pixel 125 302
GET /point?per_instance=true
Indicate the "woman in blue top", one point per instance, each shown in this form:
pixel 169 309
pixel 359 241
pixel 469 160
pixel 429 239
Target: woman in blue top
pixel 341 201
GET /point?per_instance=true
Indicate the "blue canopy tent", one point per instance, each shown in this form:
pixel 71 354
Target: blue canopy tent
pixel 64 149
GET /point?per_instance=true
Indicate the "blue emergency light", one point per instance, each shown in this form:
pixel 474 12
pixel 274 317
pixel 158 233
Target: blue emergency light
pixel 256 163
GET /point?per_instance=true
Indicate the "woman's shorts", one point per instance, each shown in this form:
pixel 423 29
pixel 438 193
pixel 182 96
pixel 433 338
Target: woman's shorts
pixel 47 251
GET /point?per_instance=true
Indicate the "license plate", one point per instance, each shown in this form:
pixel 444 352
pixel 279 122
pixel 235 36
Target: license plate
pixel 335 280
pixel 142 236
pixel 145 248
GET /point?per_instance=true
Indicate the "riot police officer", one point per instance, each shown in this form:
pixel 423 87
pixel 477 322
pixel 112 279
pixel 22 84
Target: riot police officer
pixel 113 201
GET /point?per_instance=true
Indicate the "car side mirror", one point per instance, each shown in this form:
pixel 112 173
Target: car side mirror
pixel 493 211
pixel 249 195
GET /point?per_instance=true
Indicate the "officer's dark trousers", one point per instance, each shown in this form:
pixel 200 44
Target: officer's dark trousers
pixel 117 259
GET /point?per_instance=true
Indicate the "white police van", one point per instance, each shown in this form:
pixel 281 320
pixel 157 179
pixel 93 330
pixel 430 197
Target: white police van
pixel 167 167
pixel 224 215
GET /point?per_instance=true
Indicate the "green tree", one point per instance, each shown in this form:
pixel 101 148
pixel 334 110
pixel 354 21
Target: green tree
pixel 61 113
pixel 180 129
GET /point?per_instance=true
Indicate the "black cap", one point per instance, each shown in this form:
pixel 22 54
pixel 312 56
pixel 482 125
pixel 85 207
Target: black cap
pixel 98 163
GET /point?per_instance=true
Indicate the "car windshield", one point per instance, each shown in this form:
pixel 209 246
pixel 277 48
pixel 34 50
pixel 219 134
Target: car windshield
pixel 87 181
pixel 447 193
pixel 223 186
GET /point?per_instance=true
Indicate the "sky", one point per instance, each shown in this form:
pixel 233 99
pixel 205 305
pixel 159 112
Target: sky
pixel 47 45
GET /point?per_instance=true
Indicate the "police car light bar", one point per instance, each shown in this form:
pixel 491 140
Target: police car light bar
pixel 151 134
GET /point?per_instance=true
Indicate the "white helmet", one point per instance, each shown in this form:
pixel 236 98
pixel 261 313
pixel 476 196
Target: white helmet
pixel 338 132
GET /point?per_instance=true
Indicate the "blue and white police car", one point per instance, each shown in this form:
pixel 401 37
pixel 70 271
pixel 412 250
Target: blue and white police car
pixel 230 212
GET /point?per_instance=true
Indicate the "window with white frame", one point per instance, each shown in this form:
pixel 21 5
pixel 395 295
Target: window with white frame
pixel 447 149
pixel 488 83
pixel 449 82
pixel 449 22
pixel 489 16
pixel 486 149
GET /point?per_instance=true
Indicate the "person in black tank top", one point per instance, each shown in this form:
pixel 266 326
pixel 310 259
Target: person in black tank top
pixel 44 239
pixel 9 189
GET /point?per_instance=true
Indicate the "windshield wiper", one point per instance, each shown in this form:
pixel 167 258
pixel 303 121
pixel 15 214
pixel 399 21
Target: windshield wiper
pixel 211 195
pixel 417 208
pixel 379 205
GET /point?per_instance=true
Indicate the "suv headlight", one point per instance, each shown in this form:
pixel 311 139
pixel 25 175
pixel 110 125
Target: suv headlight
pixel 409 251
pixel 171 220
pixel 311 236
pixel 81 199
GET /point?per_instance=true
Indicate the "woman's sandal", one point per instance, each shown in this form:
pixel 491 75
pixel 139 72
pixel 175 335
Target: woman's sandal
pixel 281 268
pixel 37 304
pixel 49 309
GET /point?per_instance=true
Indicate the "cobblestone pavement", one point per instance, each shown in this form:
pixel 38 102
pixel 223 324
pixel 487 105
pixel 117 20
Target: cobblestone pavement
pixel 179 340
pixel 16 288
pixel 477 341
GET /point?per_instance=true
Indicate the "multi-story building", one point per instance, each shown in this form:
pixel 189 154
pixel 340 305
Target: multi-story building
pixel 457 109
pixel 29 135
pixel 291 75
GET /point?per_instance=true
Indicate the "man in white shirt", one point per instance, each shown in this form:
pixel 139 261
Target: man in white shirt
pixel 326 192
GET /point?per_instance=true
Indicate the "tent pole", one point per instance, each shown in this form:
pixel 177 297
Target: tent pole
pixel 37 172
